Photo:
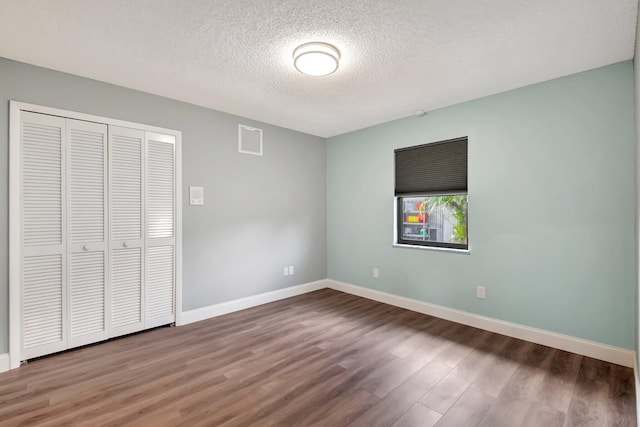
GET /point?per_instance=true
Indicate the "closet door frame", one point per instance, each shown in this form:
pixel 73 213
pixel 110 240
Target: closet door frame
pixel 15 212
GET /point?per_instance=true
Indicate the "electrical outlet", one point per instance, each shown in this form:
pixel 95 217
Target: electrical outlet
pixel 286 271
pixel 291 270
pixel 480 292
pixel 376 273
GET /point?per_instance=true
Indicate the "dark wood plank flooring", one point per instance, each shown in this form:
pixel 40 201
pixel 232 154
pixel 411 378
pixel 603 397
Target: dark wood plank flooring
pixel 323 359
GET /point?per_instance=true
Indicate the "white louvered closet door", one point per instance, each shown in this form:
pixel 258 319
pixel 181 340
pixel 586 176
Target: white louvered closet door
pixel 42 228
pixel 127 228
pixel 160 221
pixel 94 229
pixel 87 213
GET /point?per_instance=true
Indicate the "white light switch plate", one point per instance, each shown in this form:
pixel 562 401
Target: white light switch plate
pixel 196 196
pixel 481 292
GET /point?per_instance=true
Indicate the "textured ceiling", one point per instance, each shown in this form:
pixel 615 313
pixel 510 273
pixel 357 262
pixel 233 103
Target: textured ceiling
pixel 397 56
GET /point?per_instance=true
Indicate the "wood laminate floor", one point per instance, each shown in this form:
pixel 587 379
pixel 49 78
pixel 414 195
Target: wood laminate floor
pixel 325 358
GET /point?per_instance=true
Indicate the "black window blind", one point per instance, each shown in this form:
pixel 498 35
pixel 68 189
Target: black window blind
pixel 436 168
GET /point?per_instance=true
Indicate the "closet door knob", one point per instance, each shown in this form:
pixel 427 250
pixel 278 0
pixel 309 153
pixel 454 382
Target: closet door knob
pixel 85 248
pixel 125 245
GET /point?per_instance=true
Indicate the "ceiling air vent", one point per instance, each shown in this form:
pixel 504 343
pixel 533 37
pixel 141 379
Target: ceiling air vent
pixel 249 140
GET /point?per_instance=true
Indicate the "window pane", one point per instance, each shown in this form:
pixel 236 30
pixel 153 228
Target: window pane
pixel 434 219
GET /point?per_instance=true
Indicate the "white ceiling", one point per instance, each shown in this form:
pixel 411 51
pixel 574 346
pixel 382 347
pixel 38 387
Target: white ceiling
pixel 397 56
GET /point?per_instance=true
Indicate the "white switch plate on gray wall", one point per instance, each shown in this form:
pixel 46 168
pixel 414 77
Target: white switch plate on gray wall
pixel 196 196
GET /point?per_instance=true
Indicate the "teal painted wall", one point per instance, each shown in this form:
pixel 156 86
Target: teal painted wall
pixel 551 207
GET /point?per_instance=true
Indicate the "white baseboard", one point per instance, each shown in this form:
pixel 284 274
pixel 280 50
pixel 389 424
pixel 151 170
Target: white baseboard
pixel 4 362
pixel 215 310
pixel 617 355
pixel 620 356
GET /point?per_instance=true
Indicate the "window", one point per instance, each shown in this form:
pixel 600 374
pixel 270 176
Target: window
pixel 431 194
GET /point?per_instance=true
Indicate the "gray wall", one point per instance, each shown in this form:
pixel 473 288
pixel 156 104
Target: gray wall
pixel 551 207
pixel 261 213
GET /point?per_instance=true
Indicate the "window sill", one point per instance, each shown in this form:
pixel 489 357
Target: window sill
pixel 433 248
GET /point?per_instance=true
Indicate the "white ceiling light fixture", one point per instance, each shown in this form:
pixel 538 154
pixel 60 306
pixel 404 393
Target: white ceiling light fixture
pixel 316 59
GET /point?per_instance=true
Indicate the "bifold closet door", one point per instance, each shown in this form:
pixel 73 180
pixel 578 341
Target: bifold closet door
pixel 87 242
pixel 63 212
pixel 43 245
pixel 94 229
pixel 126 195
pixel 160 236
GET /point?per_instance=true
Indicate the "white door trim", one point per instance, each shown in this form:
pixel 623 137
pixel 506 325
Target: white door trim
pixel 15 214
pixel 15 231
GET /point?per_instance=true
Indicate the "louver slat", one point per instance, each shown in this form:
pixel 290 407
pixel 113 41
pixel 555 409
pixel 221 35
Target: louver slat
pixel 87 185
pixel 41 182
pixel 160 281
pixel 87 293
pixel 160 189
pixel 42 300
pixel 126 290
pixel 126 187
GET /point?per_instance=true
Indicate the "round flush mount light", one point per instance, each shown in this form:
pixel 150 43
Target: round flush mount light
pixel 316 59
